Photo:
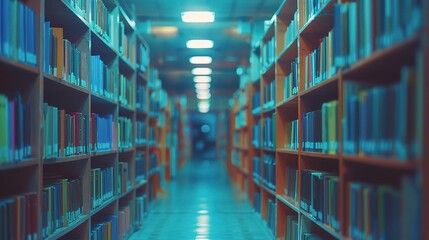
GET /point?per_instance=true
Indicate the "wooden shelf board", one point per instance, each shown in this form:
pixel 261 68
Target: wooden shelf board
pixel 269 150
pixel 7 64
pixel 287 10
pixel 104 205
pixel 100 46
pixel 256 112
pixel 327 86
pixel 103 153
pixel 382 162
pixel 268 110
pixel 125 66
pixel 287 151
pixel 97 98
pixel 141 113
pixel 140 183
pixel 17 165
pixel 319 155
pixel 291 102
pixel 65 159
pixel 257 181
pixel 269 33
pixel 142 145
pixel 268 190
pixel 142 76
pixel 64 230
pixel 269 71
pixel 125 110
pixel 290 53
pixel 322 22
pixel 129 190
pixel 292 204
pixel 326 228
pixel 62 14
pixel 50 79
pixel 126 150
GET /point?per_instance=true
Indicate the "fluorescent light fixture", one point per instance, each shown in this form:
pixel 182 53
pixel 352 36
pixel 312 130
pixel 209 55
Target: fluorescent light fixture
pixel 203 110
pixel 164 31
pixel 198 17
pixel 200 60
pixel 202 71
pixel 201 86
pixel 199 44
pixel 202 90
pixel 202 79
pixel 203 104
pixel 203 96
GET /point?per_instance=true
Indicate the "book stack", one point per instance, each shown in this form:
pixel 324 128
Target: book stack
pixel 270 95
pixel 320 197
pixel 271 215
pixel 103 79
pixel 319 64
pixel 125 133
pixel 19 216
pixel 102 20
pixel 269 132
pixel 127 219
pixel 291 81
pixel 257 202
pixel 141 209
pixel 142 57
pixel 292 227
pixel 105 230
pixel 63 59
pixel 294 142
pixel 140 167
pixel 256 102
pixel 256 168
pixel 103 133
pixel 126 91
pixel 269 171
pixel 292 30
pixel 153 163
pixel 18 32
pixel 268 54
pixel 62 204
pixel 141 96
pixel 291 184
pixel 141 132
pixel 256 137
pixel 124 177
pixel 102 187
pixel 320 129
pixel 15 120
pixel 65 134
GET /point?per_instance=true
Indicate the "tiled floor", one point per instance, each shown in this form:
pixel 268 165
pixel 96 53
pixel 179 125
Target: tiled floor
pixel 202 204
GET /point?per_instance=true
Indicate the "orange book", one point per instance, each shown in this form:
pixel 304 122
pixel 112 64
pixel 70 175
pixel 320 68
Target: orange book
pixel 58 33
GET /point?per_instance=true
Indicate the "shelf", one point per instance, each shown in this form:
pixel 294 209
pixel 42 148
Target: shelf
pixel 64 230
pixel 141 145
pixel 319 155
pixel 287 151
pixel 321 22
pixel 256 112
pixel 65 86
pixel 142 77
pixel 100 46
pixel 327 86
pixel 269 71
pixel 242 148
pixel 141 113
pixel 327 229
pixel 125 66
pixel 104 205
pixel 289 202
pixel 126 150
pixel 290 53
pixel 269 150
pixel 269 33
pixel 16 68
pixel 291 102
pixel 287 10
pixel 382 162
pixel 140 184
pixel 269 110
pixel 65 159
pixel 129 190
pixel 31 162
pixel 103 153
pixel 126 110
pixel 62 14
pixel 257 182
pixel 268 190
pixel 99 99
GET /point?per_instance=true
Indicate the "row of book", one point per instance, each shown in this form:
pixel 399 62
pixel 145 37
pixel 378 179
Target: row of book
pixel 271 215
pixel 291 81
pixel 378 120
pixel 269 168
pixel 256 136
pixel 291 183
pixel 62 204
pixel 102 185
pixel 141 209
pixel 141 132
pixel 268 54
pixel 140 167
pixel 103 79
pixel 127 219
pixel 80 7
pixel 319 196
pixel 257 202
pixel 19 217
pixel 320 64
pixel 362 27
pixel 385 212
pixel 292 30
pixel 126 46
pixel 269 132
pixel 240 119
pixel 15 120
pixel 311 8
pixel 141 98
pixel 63 59
pixel 256 168
pixel 108 229
pixel 102 20
pixel 65 134
pixel 153 163
pixel 294 129
pixel 125 133
pixel 103 133
pixel 142 57
pixel 256 102
pixel 126 91
pixel 269 95
pixel 124 177
pixel 319 128
pixel 292 227
pixel 18 32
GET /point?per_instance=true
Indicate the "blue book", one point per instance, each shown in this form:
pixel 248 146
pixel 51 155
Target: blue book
pixel 5 20
pixel 46 41
pixel 22 32
pixel 114 221
pixel 1 26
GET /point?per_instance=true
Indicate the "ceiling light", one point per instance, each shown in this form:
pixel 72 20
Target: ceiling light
pixel 203 104
pixel 199 44
pixel 198 17
pixel 202 71
pixel 164 31
pixel 202 86
pixel 203 96
pixel 200 60
pixel 203 110
pixel 202 79
pixel 202 90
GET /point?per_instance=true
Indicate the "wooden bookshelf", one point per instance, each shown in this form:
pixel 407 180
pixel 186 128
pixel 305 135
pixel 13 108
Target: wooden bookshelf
pixel 381 68
pixel 39 85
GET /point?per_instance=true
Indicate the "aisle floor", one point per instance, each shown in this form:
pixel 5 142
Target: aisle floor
pixel 202 204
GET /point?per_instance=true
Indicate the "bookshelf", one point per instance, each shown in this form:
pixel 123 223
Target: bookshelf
pixel 328 75
pixel 79 90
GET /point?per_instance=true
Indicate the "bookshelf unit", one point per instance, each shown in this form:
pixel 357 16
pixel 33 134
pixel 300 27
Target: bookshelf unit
pixel 336 74
pixel 86 91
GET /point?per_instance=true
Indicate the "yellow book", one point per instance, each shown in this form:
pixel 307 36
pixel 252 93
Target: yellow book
pixel 58 33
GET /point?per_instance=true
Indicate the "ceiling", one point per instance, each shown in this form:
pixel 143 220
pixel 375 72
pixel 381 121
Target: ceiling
pixel 231 48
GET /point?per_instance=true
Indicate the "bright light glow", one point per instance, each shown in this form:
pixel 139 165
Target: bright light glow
pixel 203 110
pixel 202 79
pixel 203 96
pixel 199 44
pixel 164 31
pixel 202 90
pixel 198 17
pixel 201 86
pixel 200 60
pixel 202 71
pixel 203 105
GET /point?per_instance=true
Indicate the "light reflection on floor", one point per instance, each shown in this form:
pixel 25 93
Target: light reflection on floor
pixel 202 204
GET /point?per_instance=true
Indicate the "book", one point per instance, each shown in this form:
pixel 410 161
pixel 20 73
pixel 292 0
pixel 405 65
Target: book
pixel 271 215
pixel 126 92
pixel 256 102
pixel 291 183
pixel 140 166
pixel 292 30
pixel 269 132
pixel 142 55
pixel 127 219
pixel 269 95
pixel 257 202
pixel 103 133
pixel 102 186
pixel 256 135
pixel 291 81
pixel 141 209
pixel 141 132
pixel 311 8
pixel 256 168
pixel 141 98
pixel 107 229
pixel 292 130
pixel 124 177
pixel 269 175
pixel 291 227
pixel 103 79
pixel 102 20
pixel 125 133
pixel 153 163
pixel 268 54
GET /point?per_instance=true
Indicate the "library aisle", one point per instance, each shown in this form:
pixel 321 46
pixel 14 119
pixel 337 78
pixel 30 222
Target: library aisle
pixel 202 204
